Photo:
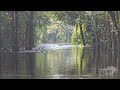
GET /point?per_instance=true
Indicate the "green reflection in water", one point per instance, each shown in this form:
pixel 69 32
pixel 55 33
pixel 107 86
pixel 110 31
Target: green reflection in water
pixel 61 62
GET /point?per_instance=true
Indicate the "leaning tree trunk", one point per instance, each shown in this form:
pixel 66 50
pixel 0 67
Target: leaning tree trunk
pixel 82 35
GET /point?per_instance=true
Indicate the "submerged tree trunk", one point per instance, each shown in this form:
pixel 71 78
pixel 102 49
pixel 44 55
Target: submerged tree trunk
pixel 16 43
pixel 81 61
pixel 14 24
pixel 32 65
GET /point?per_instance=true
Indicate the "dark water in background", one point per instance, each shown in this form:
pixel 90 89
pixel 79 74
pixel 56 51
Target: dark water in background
pixel 74 63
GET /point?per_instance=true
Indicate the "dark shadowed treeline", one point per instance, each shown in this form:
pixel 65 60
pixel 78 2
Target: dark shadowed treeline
pixel 16 30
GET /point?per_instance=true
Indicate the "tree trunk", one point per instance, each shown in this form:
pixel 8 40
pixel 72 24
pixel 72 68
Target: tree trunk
pixel 31 31
pixel 27 32
pixel 16 32
pixel 112 15
pixel 118 30
pixel 0 38
pixel 82 35
pixel 110 34
pixel 0 54
pixel 13 30
pixel 14 23
pixel 76 33
pixel 115 49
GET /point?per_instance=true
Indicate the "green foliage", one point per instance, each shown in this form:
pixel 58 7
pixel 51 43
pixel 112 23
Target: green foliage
pixel 57 27
pixel 74 39
pixel 76 36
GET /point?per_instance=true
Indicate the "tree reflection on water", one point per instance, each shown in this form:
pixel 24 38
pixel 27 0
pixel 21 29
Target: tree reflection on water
pixel 74 63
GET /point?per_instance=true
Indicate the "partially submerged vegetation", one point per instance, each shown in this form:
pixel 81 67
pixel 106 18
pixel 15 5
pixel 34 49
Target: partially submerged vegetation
pixel 25 33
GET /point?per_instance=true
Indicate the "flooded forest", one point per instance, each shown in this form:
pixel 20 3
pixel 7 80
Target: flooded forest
pixel 59 44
